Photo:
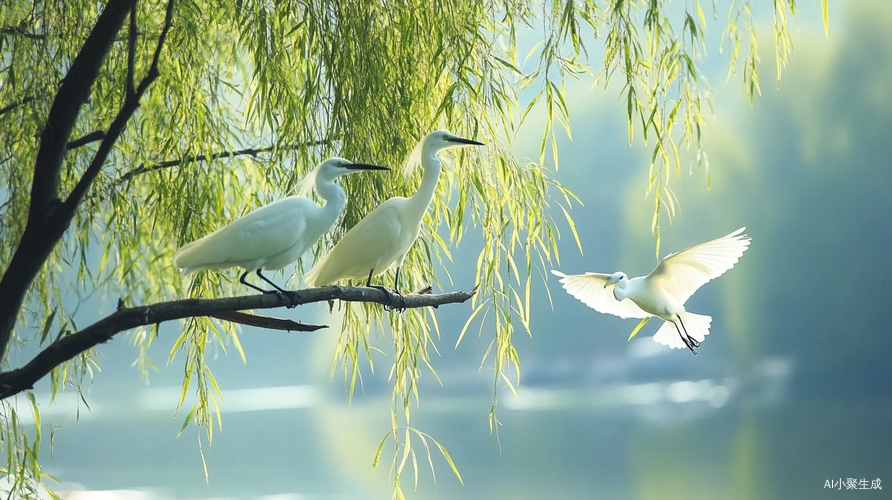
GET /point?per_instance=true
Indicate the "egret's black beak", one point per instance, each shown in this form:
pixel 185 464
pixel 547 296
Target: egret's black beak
pixel 605 284
pixel 465 141
pixel 365 166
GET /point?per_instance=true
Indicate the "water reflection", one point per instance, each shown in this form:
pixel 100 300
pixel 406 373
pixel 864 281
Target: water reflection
pixel 792 393
pixel 619 383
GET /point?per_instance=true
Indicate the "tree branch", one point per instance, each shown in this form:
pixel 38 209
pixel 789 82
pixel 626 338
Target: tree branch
pixel 125 318
pixel 10 107
pixel 131 52
pixel 73 92
pixel 15 30
pixel 267 322
pixel 213 156
pixel 96 135
pixel 41 234
pixel 131 102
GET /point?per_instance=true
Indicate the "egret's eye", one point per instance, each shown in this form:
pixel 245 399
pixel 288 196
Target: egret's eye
pixel 340 164
pixel 445 137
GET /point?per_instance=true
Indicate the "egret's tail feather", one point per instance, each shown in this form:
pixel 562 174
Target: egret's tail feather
pixel 204 253
pixel 189 270
pixel 668 336
pixel 312 277
pixel 696 325
pixel 189 257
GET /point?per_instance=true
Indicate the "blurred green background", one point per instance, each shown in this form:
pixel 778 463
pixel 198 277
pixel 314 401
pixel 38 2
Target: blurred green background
pixel 791 389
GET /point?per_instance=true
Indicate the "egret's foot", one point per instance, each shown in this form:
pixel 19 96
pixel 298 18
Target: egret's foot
pixel 692 344
pixel 402 307
pixel 385 290
pixel 293 298
pixel 390 298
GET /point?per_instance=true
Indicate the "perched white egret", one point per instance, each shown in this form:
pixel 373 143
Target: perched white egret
pixel 383 238
pixel 663 292
pixel 274 235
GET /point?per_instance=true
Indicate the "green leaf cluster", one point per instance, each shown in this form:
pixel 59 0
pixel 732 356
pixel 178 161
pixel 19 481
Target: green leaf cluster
pixel 297 81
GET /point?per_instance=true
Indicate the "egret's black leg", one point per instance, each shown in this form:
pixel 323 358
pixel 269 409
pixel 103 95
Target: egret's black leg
pixel 402 306
pixel 369 284
pixel 396 288
pixel 684 338
pixel 293 297
pixel 384 289
pixel 264 278
pixel 689 341
pixel 396 281
pixel 249 285
pixel 692 339
pixel 389 293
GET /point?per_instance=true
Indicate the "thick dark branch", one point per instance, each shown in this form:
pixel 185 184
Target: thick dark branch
pixel 15 30
pixel 214 156
pixel 10 107
pixel 131 52
pixel 131 102
pixel 41 234
pixel 267 322
pixel 73 92
pixel 126 318
pixel 96 135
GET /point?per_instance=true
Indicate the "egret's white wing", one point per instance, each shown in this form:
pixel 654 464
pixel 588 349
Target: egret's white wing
pixel 681 274
pixel 589 288
pixel 265 232
pixel 371 243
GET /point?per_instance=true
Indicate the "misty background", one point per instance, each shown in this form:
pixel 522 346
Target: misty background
pixel 790 390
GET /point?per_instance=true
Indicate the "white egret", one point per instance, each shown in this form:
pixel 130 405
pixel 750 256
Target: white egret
pixel 383 238
pixel 664 291
pixel 274 235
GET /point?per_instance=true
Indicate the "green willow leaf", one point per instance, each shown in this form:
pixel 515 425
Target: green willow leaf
pixel 639 327
pixel 297 82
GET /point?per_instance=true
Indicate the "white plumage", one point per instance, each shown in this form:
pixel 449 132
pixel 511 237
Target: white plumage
pixel 383 238
pixel 275 235
pixel 664 291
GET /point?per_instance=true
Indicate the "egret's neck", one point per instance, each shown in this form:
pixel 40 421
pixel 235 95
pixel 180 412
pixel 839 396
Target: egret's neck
pixel 620 291
pixel 425 193
pixel 334 197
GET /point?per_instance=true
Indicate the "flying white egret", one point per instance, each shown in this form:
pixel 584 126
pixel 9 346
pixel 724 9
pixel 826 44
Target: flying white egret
pixel 383 238
pixel 274 235
pixel 664 291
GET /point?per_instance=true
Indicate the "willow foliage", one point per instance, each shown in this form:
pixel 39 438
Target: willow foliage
pixel 252 94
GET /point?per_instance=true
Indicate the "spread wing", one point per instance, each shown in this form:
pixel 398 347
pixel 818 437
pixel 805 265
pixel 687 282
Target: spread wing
pixel 681 274
pixel 590 289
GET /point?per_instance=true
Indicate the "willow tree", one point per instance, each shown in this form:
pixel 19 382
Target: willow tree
pixel 131 127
